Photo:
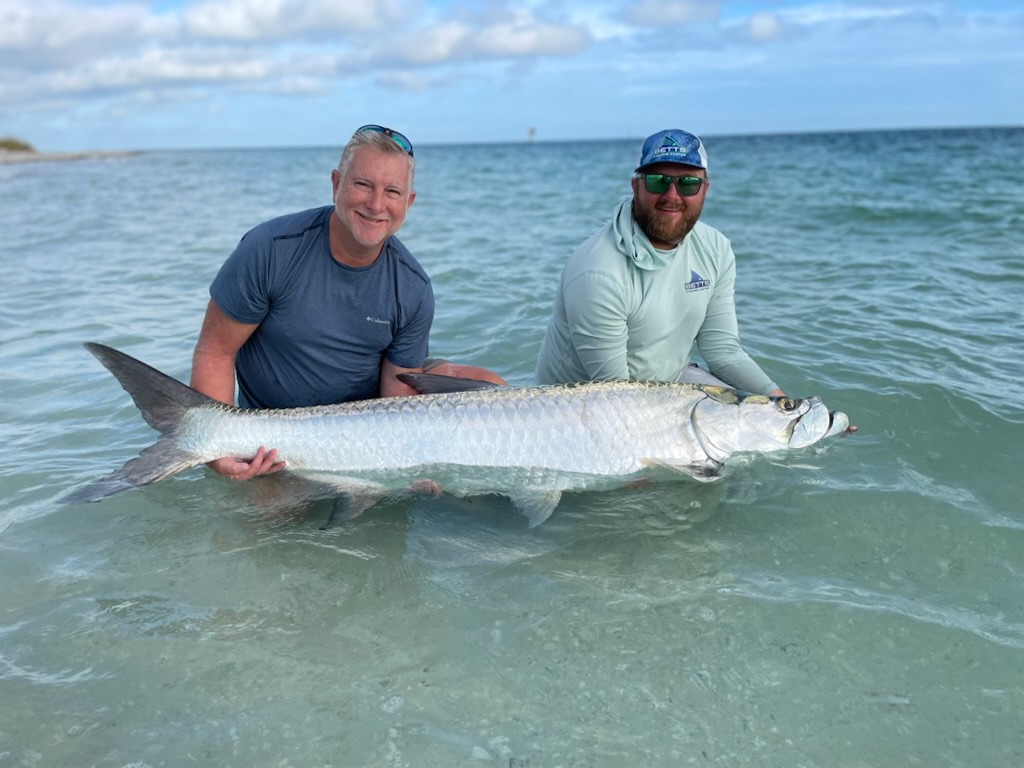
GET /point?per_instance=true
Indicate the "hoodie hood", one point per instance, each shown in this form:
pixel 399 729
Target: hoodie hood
pixel 632 241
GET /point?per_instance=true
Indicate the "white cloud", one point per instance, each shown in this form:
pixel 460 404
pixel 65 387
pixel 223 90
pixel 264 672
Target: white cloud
pixel 299 86
pixel 82 57
pixel 511 35
pixel 70 48
pixel 524 35
pixel 764 26
pixel 288 19
pixel 41 34
pixel 850 13
pixel 28 24
pixel 162 67
pixel 666 13
pixel 432 45
pixel 411 81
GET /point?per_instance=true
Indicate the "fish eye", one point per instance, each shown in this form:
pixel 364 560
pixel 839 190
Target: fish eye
pixel 788 403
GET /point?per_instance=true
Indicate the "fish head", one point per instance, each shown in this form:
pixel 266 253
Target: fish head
pixel 727 422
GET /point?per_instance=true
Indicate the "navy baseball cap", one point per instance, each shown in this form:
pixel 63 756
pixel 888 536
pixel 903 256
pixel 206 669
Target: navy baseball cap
pixel 673 146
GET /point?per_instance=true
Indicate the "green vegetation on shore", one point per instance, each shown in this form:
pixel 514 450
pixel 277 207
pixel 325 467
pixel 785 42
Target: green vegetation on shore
pixel 15 145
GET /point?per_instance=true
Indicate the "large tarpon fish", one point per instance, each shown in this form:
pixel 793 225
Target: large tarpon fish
pixel 528 443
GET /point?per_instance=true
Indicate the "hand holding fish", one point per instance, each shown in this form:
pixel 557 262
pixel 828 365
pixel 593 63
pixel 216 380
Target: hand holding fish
pixel 263 463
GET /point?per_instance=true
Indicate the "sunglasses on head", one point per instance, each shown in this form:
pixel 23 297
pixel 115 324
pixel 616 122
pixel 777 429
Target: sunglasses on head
pixel 658 183
pixel 395 136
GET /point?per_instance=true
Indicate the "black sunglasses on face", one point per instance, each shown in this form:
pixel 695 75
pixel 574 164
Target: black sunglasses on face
pixel 395 136
pixel 658 183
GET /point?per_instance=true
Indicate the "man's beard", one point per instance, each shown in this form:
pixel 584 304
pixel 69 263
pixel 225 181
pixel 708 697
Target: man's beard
pixel 661 232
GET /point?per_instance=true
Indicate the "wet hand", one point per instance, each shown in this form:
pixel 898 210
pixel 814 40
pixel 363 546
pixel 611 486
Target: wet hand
pixel 263 463
pixel 427 486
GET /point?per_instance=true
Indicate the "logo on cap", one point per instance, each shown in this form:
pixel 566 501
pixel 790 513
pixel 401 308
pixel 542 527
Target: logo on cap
pixel 674 146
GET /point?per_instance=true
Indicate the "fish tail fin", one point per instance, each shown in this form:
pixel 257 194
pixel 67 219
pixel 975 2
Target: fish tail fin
pixel 160 460
pixel 162 401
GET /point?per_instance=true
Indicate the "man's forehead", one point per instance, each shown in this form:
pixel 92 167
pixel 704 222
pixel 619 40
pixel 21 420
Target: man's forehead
pixel 370 159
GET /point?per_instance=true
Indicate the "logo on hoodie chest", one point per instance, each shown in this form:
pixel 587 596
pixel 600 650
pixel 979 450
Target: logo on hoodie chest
pixel 697 283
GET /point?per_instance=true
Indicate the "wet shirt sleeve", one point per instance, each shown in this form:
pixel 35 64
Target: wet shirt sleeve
pixel 410 345
pixel 719 339
pixel 598 322
pixel 241 287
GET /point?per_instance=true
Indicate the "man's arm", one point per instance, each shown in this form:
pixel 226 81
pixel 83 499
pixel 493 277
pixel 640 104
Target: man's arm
pixel 597 325
pixel 213 374
pixel 718 338
pixel 213 361
pixel 390 386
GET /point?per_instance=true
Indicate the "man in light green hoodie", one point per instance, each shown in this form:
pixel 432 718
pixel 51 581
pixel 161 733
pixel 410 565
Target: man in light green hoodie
pixel 635 297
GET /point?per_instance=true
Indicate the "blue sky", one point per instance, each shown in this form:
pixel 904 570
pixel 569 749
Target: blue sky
pixel 127 74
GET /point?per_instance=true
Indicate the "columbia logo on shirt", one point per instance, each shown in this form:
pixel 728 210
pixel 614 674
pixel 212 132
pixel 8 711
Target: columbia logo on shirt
pixel 697 283
pixel 377 320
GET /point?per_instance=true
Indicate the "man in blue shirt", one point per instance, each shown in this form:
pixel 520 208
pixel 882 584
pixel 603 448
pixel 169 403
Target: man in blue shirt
pixel 326 305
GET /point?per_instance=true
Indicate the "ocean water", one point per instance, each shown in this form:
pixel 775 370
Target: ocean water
pixel 855 604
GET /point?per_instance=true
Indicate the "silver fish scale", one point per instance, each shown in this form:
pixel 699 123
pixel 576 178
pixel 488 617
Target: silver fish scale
pixel 601 430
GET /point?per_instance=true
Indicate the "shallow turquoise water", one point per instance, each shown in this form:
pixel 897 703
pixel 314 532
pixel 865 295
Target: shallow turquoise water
pixel 856 604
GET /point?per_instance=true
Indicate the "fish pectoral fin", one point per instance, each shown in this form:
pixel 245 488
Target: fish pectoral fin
pixel 437 384
pixel 536 505
pixel 354 497
pixel 349 506
pixel 705 471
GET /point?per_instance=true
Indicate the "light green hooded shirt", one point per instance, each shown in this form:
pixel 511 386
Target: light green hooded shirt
pixel 626 310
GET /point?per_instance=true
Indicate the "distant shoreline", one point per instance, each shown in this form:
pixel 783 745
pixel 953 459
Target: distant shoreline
pixel 8 156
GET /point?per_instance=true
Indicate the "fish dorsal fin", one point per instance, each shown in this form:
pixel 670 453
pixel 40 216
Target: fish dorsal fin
pixel 705 472
pixel 436 384
pixel 536 505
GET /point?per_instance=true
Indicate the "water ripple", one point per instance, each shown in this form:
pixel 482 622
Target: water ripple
pixel 994 628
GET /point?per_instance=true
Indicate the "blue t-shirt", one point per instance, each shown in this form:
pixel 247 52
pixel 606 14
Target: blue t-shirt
pixel 324 328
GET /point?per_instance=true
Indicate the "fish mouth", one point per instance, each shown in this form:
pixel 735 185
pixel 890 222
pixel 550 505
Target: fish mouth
pixel 838 423
pixel 817 423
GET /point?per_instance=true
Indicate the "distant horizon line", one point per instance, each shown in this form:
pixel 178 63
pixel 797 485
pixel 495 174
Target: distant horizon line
pixel 531 139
